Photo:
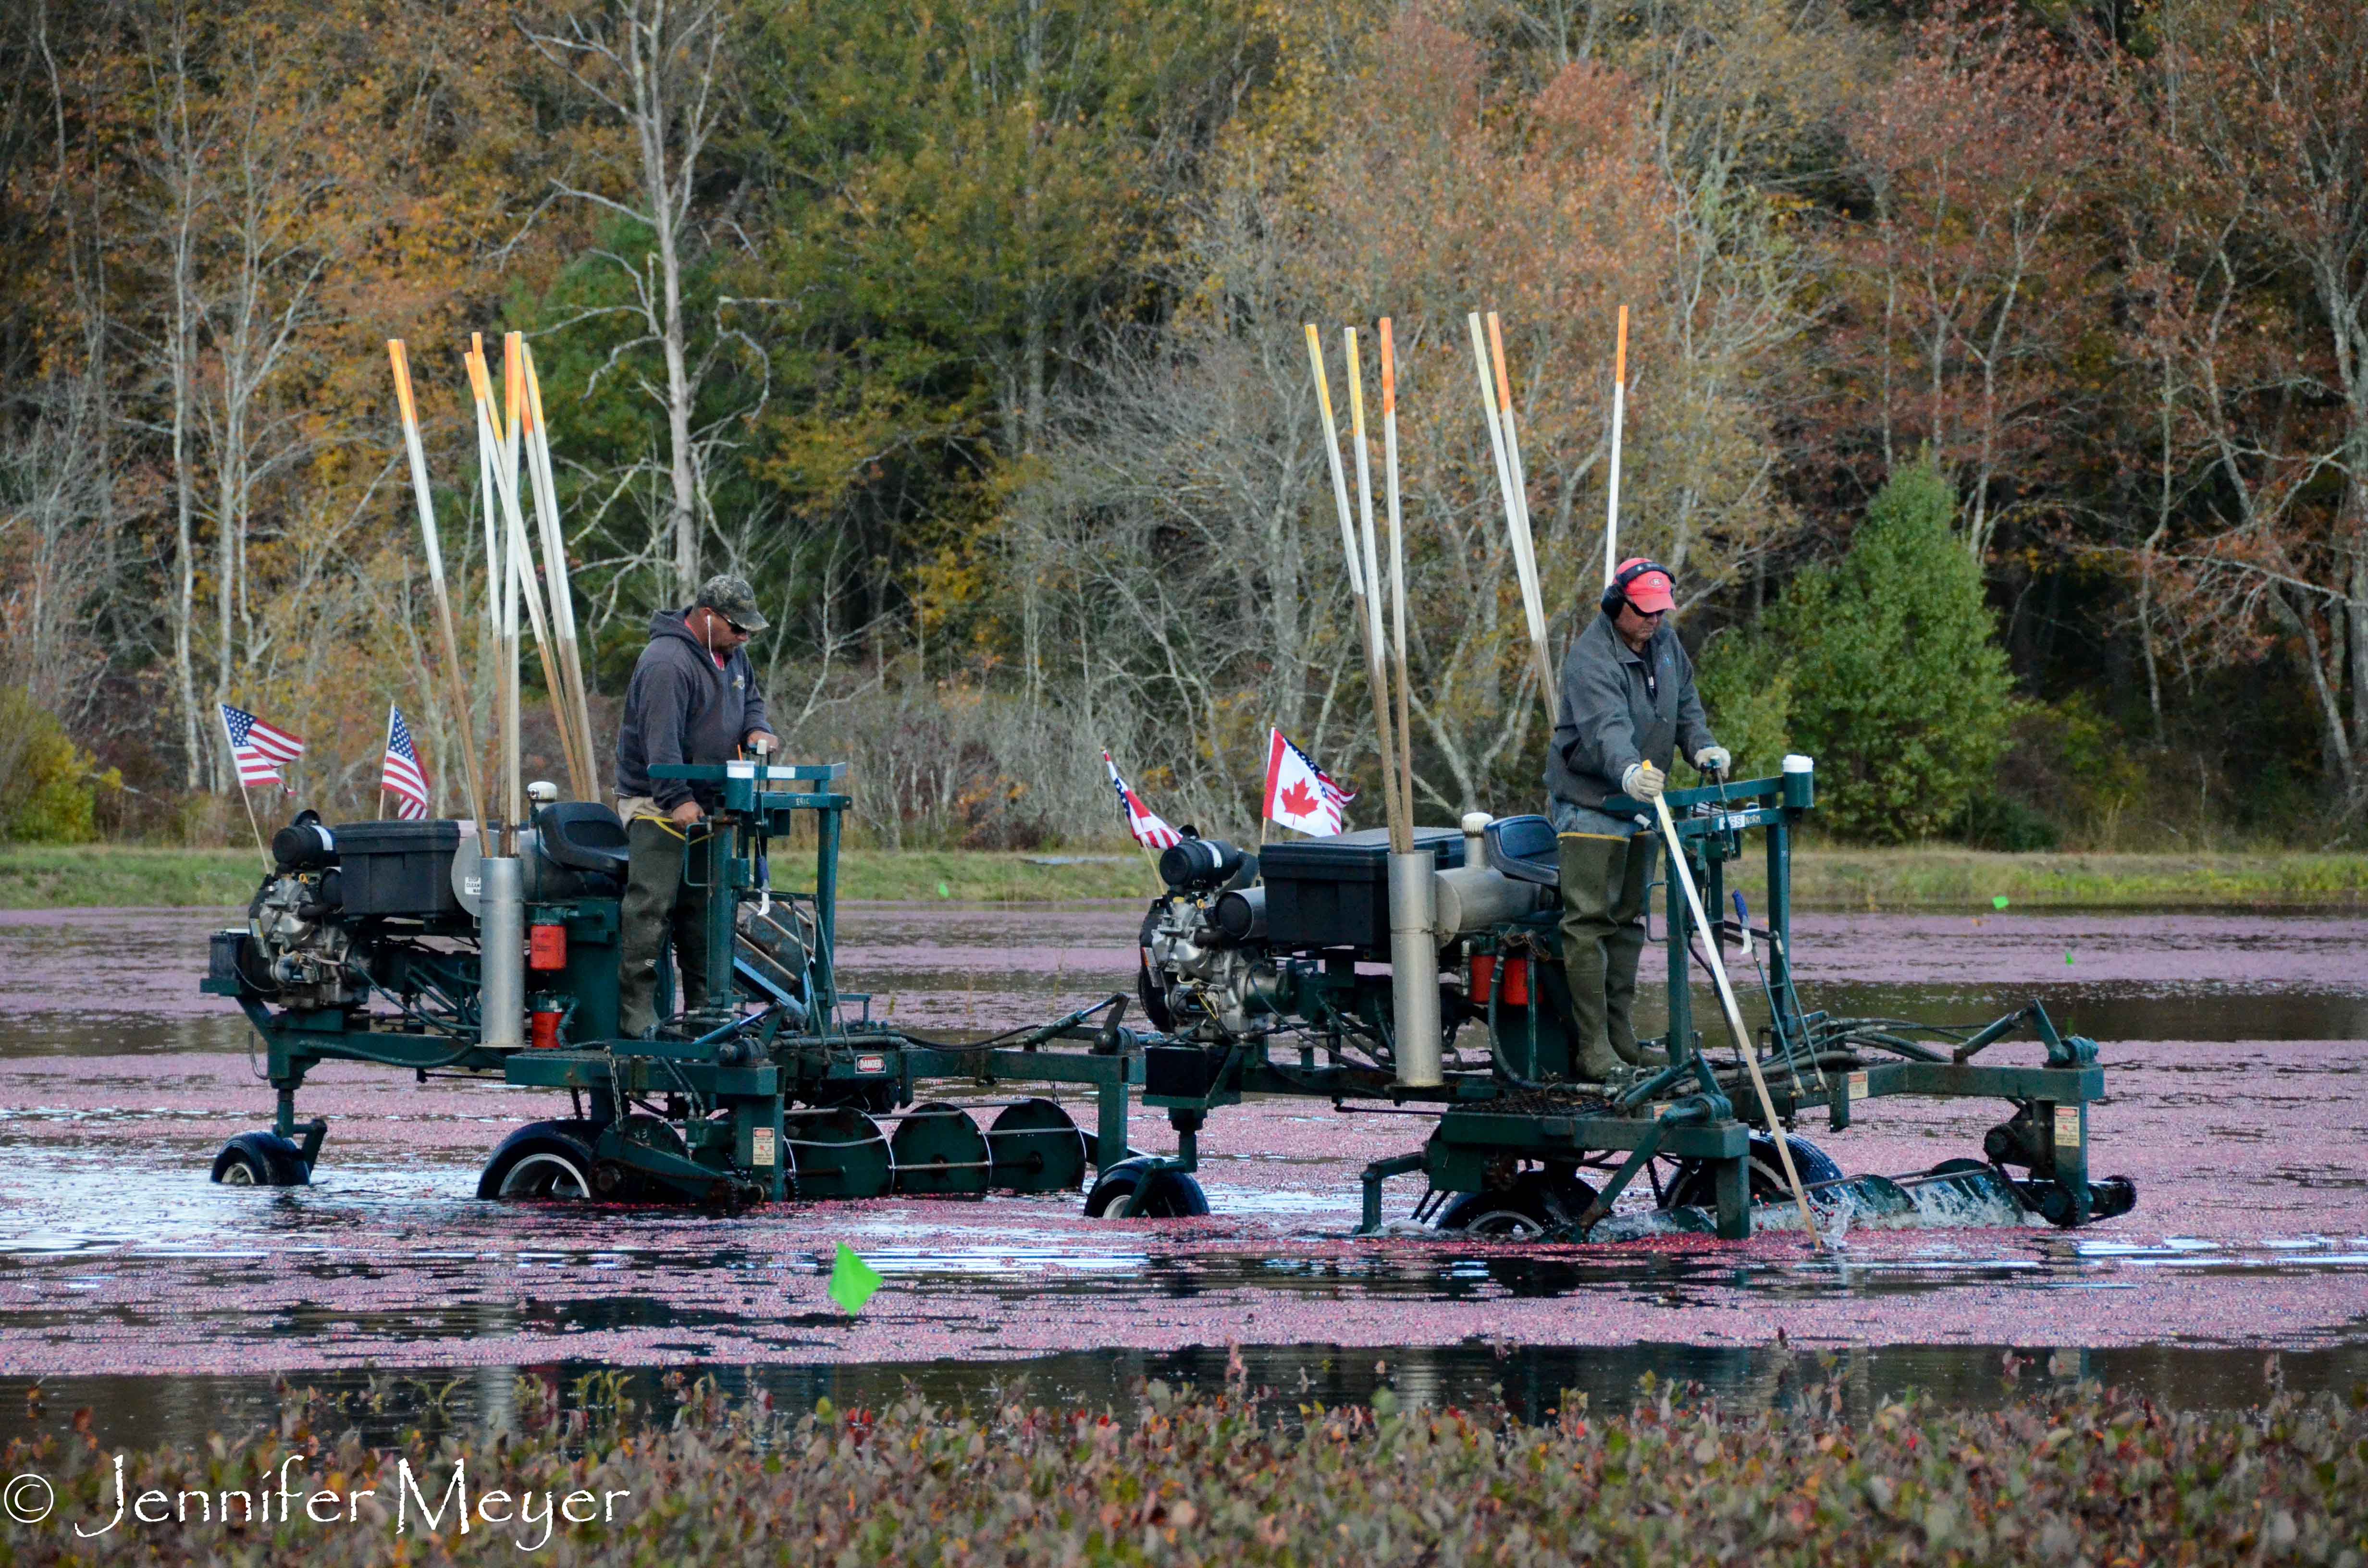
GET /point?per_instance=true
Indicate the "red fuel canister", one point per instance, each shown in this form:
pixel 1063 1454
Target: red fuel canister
pixel 547 946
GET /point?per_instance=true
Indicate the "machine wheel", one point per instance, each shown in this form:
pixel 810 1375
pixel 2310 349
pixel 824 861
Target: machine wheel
pixel 261 1159
pixel 1036 1149
pixel 1171 1195
pixel 543 1160
pixel 1537 1202
pixel 1696 1185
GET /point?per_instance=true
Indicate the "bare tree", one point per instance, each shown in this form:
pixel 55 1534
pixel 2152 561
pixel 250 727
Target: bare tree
pixel 2258 107
pixel 653 65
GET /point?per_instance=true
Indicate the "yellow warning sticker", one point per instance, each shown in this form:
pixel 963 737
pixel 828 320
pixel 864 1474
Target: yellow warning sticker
pixel 760 1145
pixel 2068 1127
pixel 1858 1085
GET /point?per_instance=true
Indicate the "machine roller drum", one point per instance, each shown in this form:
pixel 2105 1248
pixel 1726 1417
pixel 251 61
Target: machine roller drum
pixel 1036 1149
pixel 941 1152
pixel 841 1153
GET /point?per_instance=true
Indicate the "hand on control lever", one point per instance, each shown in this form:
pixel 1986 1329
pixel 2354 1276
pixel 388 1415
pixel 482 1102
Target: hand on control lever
pixel 1642 781
pixel 687 814
pixel 1713 759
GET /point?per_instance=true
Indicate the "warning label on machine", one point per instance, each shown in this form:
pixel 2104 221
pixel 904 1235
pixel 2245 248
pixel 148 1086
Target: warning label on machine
pixel 760 1145
pixel 2068 1127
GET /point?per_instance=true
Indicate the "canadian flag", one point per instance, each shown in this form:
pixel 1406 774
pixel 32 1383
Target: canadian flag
pixel 1298 794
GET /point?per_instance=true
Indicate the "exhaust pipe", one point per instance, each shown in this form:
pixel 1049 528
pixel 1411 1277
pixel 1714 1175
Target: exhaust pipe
pixel 1414 969
pixel 501 942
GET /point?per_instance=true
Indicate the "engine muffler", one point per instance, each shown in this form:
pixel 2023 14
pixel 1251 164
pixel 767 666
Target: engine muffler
pixel 1414 968
pixel 501 947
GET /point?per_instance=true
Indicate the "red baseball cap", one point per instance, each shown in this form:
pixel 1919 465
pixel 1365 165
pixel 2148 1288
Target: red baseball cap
pixel 1648 589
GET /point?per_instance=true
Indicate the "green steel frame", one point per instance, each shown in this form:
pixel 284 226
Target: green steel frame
pixel 737 1084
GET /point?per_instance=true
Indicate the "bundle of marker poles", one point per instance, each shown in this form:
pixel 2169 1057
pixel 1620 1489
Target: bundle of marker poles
pixel 1488 357
pixel 520 435
pixel 1414 940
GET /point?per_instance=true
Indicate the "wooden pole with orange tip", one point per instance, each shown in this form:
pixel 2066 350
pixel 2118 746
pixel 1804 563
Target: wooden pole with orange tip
pixel 1377 674
pixel 560 585
pixel 1517 505
pixel 452 646
pixel 520 556
pixel 1619 420
pixel 1398 568
pixel 507 638
pixel 1745 1046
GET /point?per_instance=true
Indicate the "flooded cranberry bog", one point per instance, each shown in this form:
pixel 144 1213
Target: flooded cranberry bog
pixel 2235 1048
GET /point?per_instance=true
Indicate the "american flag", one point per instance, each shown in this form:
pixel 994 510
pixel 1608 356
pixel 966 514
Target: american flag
pixel 402 776
pixel 1141 821
pixel 257 747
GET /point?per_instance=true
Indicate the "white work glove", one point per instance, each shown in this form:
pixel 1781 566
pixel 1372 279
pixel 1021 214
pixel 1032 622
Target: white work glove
pixel 1642 781
pixel 1713 759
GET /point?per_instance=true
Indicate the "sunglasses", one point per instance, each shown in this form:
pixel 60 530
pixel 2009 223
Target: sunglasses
pixel 737 630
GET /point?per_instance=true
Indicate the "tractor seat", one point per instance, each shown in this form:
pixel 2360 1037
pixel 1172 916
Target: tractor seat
pixel 1524 848
pixel 584 836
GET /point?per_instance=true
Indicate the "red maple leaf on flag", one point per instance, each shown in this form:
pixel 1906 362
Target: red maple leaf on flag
pixel 1298 801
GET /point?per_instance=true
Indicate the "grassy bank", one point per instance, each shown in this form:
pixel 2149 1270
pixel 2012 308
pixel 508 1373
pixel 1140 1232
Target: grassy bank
pixel 101 875
pixel 2082 1476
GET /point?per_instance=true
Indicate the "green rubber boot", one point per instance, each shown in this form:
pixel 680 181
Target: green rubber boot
pixel 1593 868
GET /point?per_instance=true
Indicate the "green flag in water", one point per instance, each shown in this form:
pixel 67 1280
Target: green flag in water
pixel 852 1280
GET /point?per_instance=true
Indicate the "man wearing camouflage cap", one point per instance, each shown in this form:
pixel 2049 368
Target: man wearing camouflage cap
pixel 693 698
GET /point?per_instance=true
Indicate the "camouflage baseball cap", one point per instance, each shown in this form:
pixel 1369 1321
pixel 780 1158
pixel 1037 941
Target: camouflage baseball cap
pixel 732 598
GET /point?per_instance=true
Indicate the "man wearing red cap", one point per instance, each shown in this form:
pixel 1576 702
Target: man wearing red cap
pixel 1627 703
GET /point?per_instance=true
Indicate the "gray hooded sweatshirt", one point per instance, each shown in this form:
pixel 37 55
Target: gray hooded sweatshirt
pixel 680 708
pixel 1619 706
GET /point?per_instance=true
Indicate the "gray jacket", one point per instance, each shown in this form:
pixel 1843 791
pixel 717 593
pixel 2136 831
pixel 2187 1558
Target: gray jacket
pixel 680 708
pixel 1607 719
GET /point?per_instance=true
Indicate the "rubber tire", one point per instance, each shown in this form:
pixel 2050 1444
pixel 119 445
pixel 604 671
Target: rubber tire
pixel 548 1146
pixel 1173 1195
pixel 261 1159
pixel 1531 1199
pixel 1696 1184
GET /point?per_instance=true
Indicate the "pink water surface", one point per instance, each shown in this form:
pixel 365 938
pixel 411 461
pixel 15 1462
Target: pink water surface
pixel 118 1254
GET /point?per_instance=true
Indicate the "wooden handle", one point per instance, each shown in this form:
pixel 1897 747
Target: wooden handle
pixel 401 363
pixel 533 393
pixel 1497 354
pixel 513 382
pixel 1322 387
pixel 1356 386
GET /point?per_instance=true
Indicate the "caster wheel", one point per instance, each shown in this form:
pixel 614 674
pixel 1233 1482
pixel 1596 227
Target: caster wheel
pixel 545 1161
pixel 1536 1203
pixel 261 1159
pixel 1697 1184
pixel 1165 1194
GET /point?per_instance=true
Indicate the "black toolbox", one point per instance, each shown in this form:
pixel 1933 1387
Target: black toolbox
pixel 1334 892
pixel 397 868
